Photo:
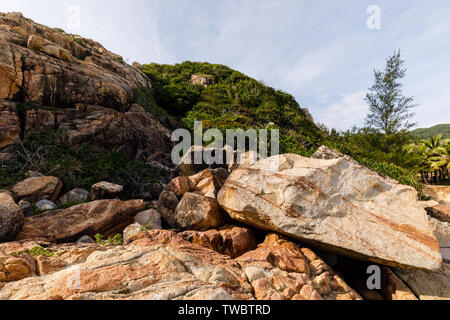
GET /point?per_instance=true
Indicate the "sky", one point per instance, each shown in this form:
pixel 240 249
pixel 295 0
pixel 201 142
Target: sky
pixel 322 52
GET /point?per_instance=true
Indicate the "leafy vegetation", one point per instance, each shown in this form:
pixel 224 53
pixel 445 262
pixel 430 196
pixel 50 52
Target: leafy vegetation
pixel 76 166
pixel 433 153
pixel 36 251
pixel 235 101
pixel 117 240
pixel 427 133
pixel 145 228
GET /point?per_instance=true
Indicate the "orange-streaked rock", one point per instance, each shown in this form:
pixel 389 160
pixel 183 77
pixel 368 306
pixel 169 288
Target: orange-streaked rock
pixel 105 217
pixel 336 204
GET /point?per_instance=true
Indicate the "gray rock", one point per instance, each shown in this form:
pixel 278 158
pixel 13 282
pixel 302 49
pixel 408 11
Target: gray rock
pixel 27 208
pixel 151 191
pixel 150 218
pixel 33 174
pixel 167 205
pixel 45 205
pixel 76 195
pixel 105 190
pixel 85 239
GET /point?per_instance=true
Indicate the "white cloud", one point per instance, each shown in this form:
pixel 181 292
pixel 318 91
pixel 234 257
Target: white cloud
pixel 312 68
pixel 350 110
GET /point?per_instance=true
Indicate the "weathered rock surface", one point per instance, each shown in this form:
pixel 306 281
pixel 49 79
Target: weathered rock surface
pixel 194 160
pixel 198 212
pixel 230 241
pixel 190 202
pixel 11 218
pixel 9 126
pixel 208 183
pixel 394 288
pixel 105 190
pixel 160 265
pixel 138 135
pixel 428 285
pixel 38 188
pixel 49 67
pixel 280 270
pixel 13 268
pixel 337 204
pixel 45 205
pixel 76 195
pixel 131 232
pixel 27 208
pixel 105 217
pixel 205 80
pixel 440 212
pixel 151 219
pixel 441 231
pixel 439 193
pixel 92 90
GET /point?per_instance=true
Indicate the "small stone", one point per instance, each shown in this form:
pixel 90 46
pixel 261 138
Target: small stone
pixel 33 174
pixel 27 208
pixel 85 239
pixel 105 190
pixel 151 219
pixel 131 231
pixel 151 191
pixel 77 195
pixel 45 205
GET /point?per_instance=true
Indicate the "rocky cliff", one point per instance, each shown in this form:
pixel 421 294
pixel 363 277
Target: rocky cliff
pixel 53 80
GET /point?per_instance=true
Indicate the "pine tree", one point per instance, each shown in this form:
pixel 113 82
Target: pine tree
pixel 390 111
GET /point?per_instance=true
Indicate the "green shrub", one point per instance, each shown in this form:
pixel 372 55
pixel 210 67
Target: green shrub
pixel 77 166
pixel 38 251
pixel 117 240
pixel 235 101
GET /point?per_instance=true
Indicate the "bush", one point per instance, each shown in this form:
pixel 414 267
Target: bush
pixel 235 101
pixel 77 166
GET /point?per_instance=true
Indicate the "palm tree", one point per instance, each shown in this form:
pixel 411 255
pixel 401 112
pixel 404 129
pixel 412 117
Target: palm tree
pixel 435 156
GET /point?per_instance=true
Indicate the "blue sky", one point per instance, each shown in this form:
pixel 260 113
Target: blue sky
pixel 320 51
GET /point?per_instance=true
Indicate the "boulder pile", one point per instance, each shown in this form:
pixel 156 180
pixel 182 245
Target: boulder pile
pixel 283 228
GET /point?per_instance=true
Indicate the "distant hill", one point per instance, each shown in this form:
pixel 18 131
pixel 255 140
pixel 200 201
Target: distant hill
pixel 426 133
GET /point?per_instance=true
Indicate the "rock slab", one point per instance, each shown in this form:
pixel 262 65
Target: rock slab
pixel 336 204
pixel 105 217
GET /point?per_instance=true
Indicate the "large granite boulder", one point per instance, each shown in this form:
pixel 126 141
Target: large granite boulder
pixel 336 204
pixel 105 217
